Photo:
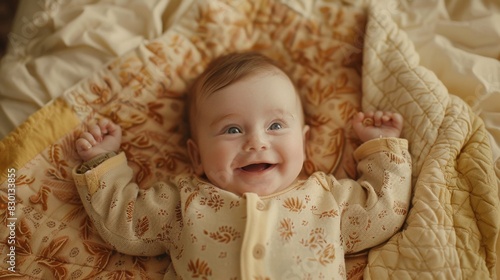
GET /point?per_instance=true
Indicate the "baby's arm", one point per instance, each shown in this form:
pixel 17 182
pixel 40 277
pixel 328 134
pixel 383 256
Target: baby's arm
pixel 134 221
pixel 374 207
pixel 124 215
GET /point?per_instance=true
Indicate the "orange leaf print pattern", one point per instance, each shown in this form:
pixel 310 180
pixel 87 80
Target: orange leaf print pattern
pixel 352 240
pixel 86 227
pixel 130 211
pixel 329 214
pixel 294 204
pixel 318 120
pixel 48 257
pixel 56 156
pixel 23 248
pixel 199 269
pixel 56 266
pixel 190 199
pixel 323 250
pixel 24 180
pixel 23 229
pixel 286 229
pixel 54 247
pixel 141 141
pixel 400 207
pixel 225 234
pixel 103 93
pixel 153 111
pixel 63 190
pixel 214 201
pixel 327 255
pixel 142 226
pixel 394 158
pixel 316 239
pixel 100 252
pixel 41 197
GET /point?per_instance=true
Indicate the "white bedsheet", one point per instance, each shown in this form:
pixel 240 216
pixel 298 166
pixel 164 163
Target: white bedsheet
pixel 56 43
pixel 460 42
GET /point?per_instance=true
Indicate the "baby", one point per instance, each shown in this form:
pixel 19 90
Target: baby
pixel 245 213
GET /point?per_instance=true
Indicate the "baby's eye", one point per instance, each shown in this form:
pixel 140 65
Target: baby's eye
pixel 275 126
pixel 233 130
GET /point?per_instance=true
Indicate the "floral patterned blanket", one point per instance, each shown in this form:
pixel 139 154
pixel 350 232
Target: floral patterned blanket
pixel 343 57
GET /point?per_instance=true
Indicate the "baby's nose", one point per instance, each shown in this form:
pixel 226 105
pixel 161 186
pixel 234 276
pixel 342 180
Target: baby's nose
pixel 256 142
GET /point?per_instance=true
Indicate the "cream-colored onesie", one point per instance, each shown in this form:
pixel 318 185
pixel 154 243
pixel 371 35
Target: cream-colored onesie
pixel 302 232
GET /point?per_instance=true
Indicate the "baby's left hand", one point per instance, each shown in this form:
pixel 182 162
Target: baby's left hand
pixel 379 124
pixel 100 138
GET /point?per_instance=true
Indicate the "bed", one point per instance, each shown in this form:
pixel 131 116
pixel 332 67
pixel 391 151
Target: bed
pixel 69 62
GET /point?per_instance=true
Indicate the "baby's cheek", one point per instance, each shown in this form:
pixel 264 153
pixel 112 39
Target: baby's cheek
pixel 219 177
pixel 295 149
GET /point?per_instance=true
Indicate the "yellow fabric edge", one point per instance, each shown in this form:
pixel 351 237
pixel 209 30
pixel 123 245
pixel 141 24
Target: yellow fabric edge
pixel 39 131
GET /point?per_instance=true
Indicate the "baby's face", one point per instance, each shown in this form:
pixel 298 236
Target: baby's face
pixel 251 135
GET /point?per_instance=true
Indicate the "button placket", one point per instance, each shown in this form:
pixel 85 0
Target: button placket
pixel 253 247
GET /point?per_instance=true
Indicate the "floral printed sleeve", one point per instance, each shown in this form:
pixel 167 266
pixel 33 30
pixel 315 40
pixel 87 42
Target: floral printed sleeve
pixel 134 221
pixel 375 206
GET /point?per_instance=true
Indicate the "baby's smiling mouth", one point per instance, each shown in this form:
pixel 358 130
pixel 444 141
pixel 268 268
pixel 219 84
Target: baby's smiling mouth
pixel 257 167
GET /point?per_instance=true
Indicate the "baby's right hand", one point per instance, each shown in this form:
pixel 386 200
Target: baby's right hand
pixel 377 124
pixel 100 138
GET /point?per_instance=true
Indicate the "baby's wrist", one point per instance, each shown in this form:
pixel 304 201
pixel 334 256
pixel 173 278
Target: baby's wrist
pixel 378 136
pixel 94 162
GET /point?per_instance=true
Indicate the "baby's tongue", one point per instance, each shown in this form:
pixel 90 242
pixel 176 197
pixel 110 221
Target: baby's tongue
pixel 256 167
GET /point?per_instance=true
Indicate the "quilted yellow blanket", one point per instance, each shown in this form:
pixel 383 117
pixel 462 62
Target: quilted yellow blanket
pixel 343 57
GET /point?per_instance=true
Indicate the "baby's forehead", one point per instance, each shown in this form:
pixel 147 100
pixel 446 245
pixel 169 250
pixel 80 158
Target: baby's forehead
pixel 263 77
pixel 217 83
pixel 273 87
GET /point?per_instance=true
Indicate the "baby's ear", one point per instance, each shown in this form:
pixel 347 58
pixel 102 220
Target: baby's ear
pixel 194 155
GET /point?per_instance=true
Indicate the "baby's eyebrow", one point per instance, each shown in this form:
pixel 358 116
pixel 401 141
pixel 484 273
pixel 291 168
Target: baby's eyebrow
pixel 284 113
pixel 222 118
